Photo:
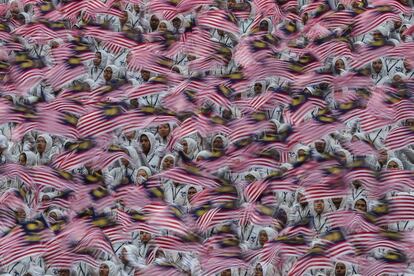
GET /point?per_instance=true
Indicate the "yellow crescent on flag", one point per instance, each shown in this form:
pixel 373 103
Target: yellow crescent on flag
pixel 92 178
pixel 65 174
pixel 392 235
pixel 112 111
pixel 265 210
pixel 101 222
pixel 290 27
pixel 27 64
pixel 71 119
pixel 85 145
pixel 259 116
pixel 326 119
pixel 235 76
pixel 46 6
pixel 74 61
pixel 139 217
pixel 259 44
pixel 81 47
pixel 225 90
pixel 99 192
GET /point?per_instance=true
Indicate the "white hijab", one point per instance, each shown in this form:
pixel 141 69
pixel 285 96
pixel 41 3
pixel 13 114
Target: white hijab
pixel 134 156
pixel 115 71
pixel 30 158
pixel 19 6
pixel 49 142
pixel 383 71
pixel 46 155
pixel 152 141
pixel 192 147
pixel 279 126
pixel 343 70
pixel 204 154
pixel 35 270
pixel 181 28
pixel 4 142
pixel 396 160
pixel 113 268
pixel 167 23
pixel 132 254
pixel 165 157
pixel 271 234
pixel 312 208
pixel 223 138
pixel 267 268
pixel 348 156
pixel 104 58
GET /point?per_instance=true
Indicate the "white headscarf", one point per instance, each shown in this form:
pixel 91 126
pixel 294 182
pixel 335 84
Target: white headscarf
pixel 146 169
pixel 408 38
pixel 269 24
pixel 4 142
pixel 27 17
pixel 151 74
pixel 30 158
pixel 348 156
pixel 192 147
pixel 47 154
pixel 35 270
pixel 132 254
pixel 134 156
pixel 152 159
pixel 345 63
pixel 49 142
pixel 396 160
pixel 223 138
pixel 198 189
pixel 271 234
pixel 161 140
pixel 279 126
pixel 204 154
pixel 312 207
pixel 113 268
pixel 165 157
pixel 301 147
pixel 104 58
pixel 341 206
pixel 26 210
pixel 348 268
pixel 328 145
pixel 383 71
pixel 115 71
pixel 364 197
pixel 152 141
pixel 267 268
pixel 150 15
pixel 181 28
pixel 167 23
pixel 138 179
